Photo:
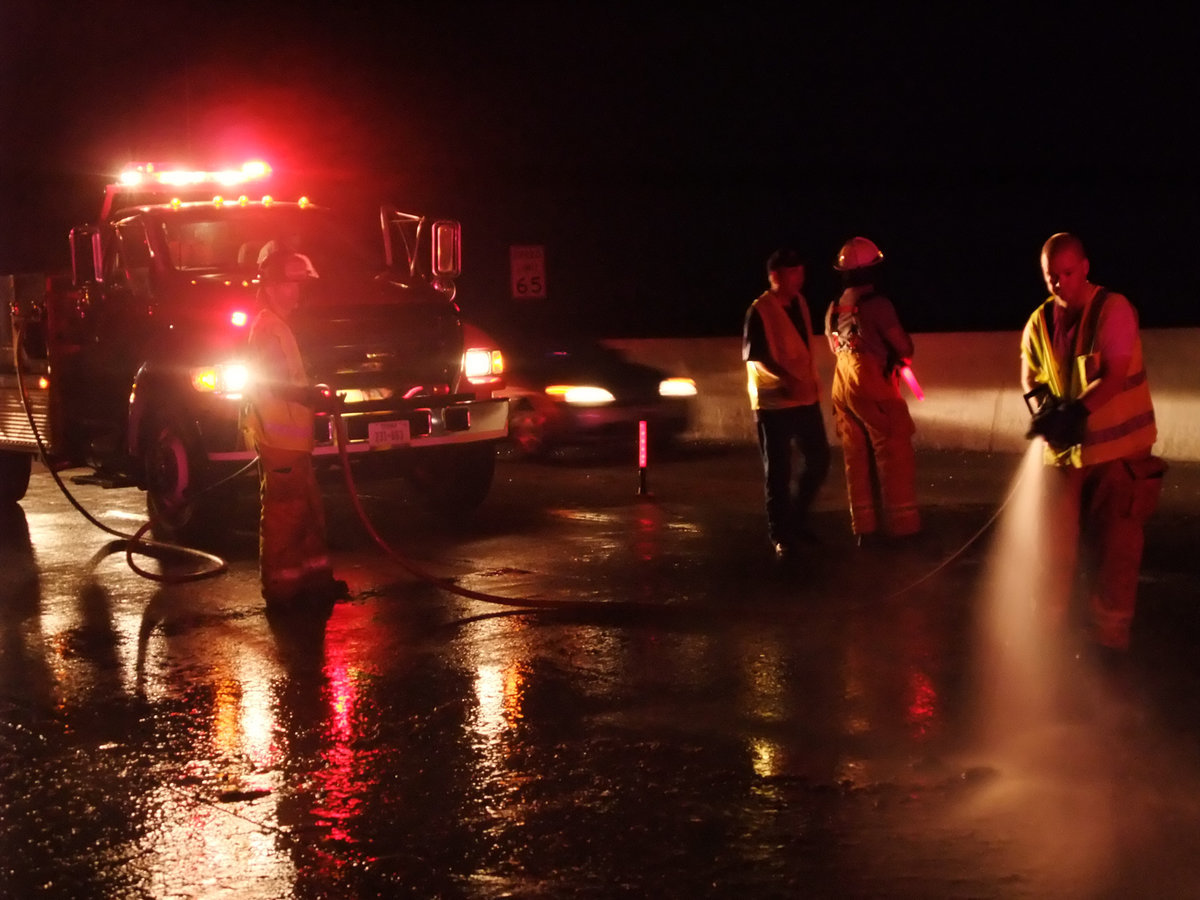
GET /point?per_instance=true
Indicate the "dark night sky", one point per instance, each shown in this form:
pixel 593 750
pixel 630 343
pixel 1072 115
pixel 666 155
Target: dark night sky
pixel 658 152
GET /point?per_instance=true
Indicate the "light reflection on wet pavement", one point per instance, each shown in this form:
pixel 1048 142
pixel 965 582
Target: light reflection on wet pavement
pixel 693 721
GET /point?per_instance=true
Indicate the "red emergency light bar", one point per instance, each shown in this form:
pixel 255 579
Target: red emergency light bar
pixel 142 183
pixel 136 175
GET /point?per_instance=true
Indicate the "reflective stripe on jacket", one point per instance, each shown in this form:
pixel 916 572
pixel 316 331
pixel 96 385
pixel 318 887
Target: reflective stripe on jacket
pixel 271 420
pixel 1122 427
pixel 790 352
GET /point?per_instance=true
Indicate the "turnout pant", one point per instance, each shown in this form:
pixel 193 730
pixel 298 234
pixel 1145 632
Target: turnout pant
pixel 780 433
pixel 876 432
pixel 1103 510
pixel 291 536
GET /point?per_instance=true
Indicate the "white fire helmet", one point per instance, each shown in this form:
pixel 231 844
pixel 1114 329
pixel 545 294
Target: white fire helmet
pixel 858 253
pixel 285 265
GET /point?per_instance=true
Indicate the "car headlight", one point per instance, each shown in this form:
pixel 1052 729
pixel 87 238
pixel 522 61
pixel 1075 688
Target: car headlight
pixel 677 387
pixel 229 381
pixel 581 394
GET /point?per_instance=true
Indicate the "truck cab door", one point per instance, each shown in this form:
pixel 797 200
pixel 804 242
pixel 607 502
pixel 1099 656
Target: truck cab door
pixel 113 326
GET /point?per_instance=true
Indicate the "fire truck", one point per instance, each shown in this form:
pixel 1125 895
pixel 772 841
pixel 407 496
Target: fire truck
pixel 133 364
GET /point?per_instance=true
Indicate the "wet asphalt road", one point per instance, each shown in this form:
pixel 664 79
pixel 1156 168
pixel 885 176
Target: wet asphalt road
pixel 693 720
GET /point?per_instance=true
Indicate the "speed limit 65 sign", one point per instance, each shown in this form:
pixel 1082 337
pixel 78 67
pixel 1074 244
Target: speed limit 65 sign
pixel 528 264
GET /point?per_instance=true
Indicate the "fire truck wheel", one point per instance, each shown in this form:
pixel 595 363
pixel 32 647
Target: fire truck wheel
pixel 14 475
pixel 449 481
pixel 173 473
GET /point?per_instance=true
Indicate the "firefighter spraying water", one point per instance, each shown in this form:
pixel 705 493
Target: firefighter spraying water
pixel 1083 494
pixel 1085 378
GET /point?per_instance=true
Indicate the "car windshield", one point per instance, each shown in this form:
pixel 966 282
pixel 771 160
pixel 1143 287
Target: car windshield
pixel 205 241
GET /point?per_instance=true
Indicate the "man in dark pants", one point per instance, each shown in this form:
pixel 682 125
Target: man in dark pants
pixel 785 395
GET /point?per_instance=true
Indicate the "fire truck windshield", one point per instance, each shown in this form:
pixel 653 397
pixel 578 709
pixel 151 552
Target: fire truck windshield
pixel 203 240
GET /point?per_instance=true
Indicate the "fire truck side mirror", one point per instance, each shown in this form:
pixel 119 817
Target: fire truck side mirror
pixel 447 249
pixel 86 255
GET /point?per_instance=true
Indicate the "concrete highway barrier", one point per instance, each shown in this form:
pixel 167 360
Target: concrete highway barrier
pixel 970 379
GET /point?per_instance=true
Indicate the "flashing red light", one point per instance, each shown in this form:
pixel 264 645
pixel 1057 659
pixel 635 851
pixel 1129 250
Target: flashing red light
pixel 239 319
pixel 643 444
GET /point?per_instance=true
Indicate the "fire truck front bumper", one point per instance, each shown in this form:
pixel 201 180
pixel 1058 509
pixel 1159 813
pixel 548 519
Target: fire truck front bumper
pixel 376 431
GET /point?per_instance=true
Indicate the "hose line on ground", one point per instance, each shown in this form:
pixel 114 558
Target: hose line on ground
pixel 533 602
pixel 969 542
pixel 130 543
pixel 423 574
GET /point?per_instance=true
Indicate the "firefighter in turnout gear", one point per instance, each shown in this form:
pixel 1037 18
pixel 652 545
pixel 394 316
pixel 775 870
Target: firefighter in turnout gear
pixel 873 422
pixel 1081 355
pixel 293 557
pixel 785 395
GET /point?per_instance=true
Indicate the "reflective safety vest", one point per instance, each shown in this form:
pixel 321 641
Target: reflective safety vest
pixel 275 359
pixel 1122 427
pixel 790 350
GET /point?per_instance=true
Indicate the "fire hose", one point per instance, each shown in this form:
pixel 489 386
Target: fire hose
pixel 424 574
pixel 131 543
pixel 136 543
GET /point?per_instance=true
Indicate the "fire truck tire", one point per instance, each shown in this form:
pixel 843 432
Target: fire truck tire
pixel 174 471
pixel 450 481
pixel 14 475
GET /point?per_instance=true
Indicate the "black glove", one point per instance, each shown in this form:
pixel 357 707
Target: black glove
pixel 1060 422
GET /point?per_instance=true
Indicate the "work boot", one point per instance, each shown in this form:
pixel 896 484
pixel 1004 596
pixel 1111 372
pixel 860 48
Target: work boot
pixel 326 589
pixel 280 602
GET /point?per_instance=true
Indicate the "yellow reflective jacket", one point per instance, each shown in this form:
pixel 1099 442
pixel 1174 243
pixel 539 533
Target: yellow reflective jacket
pixel 271 420
pixel 1121 427
pixel 790 351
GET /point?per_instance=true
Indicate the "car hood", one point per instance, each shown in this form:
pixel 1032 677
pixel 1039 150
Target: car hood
pixel 538 366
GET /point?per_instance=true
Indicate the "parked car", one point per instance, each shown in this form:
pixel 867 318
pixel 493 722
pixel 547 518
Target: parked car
pixel 571 390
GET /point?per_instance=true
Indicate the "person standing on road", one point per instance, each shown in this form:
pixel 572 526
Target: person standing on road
pixel 873 422
pixel 1081 352
pixel 293 557
pixel 785 396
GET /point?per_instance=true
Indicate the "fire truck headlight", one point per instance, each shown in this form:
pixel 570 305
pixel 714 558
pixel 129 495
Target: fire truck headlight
pixel 482 363
pixel 229 381
pixel 581 394
pixel 677 387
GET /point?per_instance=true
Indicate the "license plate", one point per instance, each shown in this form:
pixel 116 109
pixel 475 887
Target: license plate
pixel 386 434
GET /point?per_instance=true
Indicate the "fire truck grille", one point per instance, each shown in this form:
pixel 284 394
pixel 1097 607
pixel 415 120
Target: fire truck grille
pixel 14 424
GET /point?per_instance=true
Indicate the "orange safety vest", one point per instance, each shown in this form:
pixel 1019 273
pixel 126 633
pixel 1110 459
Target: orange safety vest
pixel 275 359
pixel 788 349
pixel 1122 427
